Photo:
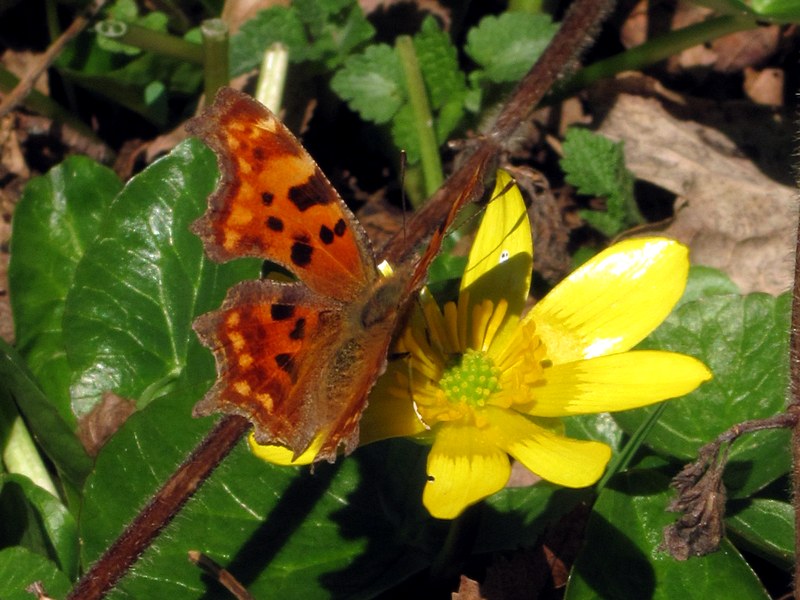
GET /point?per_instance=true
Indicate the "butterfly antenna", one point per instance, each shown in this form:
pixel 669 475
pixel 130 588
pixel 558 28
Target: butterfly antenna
pixel 403 198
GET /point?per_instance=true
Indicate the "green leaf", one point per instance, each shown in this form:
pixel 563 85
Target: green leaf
pixel 275 24
pixel 621 556
pixel 765 527
pixel 140 284
pixel 517 517
pixel 35 519
pixel 781 10
pixel 372 83
pixel 128 12
pixel 704 282
pixel 19 568
pixel 312 31
pixel 351 529
pixel 744 341
pixel 596 166
pixel 55 221
pixel 506 46
pixel 444 80
pixel 53 434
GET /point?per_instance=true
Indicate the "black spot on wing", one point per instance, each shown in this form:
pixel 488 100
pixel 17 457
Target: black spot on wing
pixel 275 224
pixel 340 227
pixel 315 191
pixel 285 362
pixel 299 331
pixel 326 235
pixel 267 198
pixel 280 312
pixel 301 254
pixel 258 154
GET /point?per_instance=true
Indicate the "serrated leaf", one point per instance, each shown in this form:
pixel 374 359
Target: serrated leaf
pixel 19 568
pixel 596 166
pixel 275 24
pixel 372 83
pixel 128 316
pixel 352 529
pixel 312 31
pixel 444 81
pixel 34 518
pixel 744 341
pixel 765 527
pixel 506 46
pixel 55 221
pixel 53 434
pixel 621 558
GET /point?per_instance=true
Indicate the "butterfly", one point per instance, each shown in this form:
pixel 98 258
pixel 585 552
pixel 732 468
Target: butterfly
pixel 298 359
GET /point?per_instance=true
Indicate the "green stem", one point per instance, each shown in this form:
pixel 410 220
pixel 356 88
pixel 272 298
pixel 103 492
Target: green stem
pixel 423 119
pixel 272 76
pixel 653 51
pixel 51 18
pixel 533 7
pixel 21 456
pixel 215 55
pixel 621 461
pixel 148 39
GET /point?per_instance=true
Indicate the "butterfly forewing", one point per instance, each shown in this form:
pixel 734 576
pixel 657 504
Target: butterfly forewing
pixel 273 202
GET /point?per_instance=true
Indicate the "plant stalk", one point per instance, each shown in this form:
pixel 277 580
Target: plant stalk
pixel 161 509
pixel 215 56
pixel 423 119
pixel 651 52
pixel 150 40
pixel 794 408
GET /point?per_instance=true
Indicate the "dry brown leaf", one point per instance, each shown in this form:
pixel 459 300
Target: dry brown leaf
pixel 732 216
pixel 468 589
pixel 764 86
pixel 96 427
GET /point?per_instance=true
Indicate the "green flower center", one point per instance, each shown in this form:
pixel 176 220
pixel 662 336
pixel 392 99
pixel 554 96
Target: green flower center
pixel 471 380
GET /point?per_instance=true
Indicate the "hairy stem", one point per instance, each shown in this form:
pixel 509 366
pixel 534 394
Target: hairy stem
pixel 794 408
pixel 161 509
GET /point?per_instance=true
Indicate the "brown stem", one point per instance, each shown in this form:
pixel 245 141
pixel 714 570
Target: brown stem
pixel 578 28
pixel 26 84
pixel 161 509
pixel 794 408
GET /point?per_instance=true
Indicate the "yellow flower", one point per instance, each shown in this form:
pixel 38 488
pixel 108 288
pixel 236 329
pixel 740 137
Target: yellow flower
pixel 485 383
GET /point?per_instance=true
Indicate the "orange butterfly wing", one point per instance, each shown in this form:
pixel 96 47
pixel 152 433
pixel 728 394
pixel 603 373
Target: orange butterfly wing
pixel 274 203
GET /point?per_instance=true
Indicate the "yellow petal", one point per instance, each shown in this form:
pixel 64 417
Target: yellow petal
pixel 501 259
pixel 567 462
pixel 390 411
pixel 616 382
pixel 463 468
pixel 613 301
pixel 280 455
